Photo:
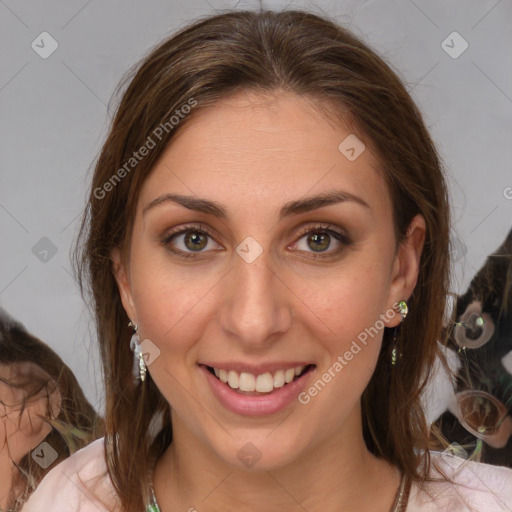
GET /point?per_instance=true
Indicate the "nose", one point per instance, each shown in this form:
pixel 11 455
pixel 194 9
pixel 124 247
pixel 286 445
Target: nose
pixel 256 304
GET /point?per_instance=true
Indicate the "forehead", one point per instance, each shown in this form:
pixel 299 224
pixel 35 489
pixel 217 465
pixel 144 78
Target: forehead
pixel 254 147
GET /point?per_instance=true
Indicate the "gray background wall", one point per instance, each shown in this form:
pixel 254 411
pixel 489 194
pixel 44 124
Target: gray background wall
pixel 54 117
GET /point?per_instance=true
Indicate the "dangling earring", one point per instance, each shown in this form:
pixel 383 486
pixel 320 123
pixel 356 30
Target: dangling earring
pixel 139 368
pixel 403 309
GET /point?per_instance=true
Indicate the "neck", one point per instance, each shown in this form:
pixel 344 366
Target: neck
pixel 337 474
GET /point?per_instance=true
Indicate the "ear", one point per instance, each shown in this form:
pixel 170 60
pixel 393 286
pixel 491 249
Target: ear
pixel 406 266
pixel 121 275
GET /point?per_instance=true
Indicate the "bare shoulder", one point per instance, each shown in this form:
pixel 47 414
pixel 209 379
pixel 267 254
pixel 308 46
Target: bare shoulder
pixel 476 487
pixel 78 484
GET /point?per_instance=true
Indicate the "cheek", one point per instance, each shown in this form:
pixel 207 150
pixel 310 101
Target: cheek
pixel 165 303
pixel 172 314
pixel 351 339
pixel 346 302
pixel 173 309
pixel 347 322
pixel 161 295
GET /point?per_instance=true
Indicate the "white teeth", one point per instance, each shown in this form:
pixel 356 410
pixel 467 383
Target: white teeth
pixel 263 383
pixel 247 382
pixel 279 379
pixel 233 379
pixel 289 375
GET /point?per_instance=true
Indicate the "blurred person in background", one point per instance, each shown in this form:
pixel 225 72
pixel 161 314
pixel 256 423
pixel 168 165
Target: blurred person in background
pixel 40 402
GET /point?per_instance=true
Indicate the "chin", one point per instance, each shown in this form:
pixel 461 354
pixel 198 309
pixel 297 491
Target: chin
pixel 258 453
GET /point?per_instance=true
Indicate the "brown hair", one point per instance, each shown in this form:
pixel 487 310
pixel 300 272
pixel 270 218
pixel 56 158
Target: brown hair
pixel 300 53
pixel 37 368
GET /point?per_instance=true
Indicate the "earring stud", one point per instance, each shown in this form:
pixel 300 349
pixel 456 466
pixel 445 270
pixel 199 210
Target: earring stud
pixel 139 366
pixel 403 310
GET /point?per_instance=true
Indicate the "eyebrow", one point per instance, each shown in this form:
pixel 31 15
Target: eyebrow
pixel 291 208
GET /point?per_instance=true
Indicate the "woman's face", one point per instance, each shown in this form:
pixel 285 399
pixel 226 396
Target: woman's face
pixel 231 278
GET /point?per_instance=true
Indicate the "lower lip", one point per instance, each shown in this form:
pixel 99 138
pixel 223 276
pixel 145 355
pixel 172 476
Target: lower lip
pixel 256 405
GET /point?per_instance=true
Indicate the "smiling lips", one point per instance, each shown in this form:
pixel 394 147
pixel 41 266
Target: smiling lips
pixel 255 390
pixel 262 383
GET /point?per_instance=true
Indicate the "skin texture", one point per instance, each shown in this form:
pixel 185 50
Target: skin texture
pixel 253 153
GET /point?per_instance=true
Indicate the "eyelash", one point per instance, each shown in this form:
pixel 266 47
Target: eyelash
pixel 341 237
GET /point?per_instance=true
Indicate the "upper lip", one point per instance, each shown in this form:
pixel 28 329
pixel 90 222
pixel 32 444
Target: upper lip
pixel 256 369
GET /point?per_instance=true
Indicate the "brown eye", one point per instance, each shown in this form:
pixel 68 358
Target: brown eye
pixel 195 241
pixel 188 240
pixel 319 241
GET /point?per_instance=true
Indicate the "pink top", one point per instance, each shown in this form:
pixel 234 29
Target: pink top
pixel 483 487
